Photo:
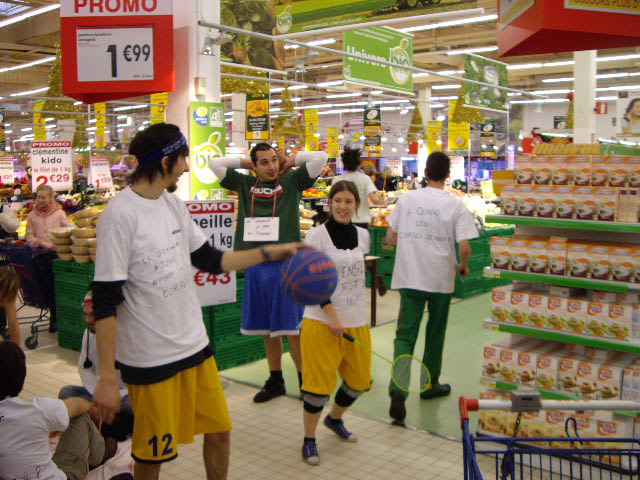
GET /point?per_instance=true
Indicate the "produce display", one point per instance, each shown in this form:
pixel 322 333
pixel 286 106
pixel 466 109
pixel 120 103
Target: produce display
pixel 319 190
pixel 562 256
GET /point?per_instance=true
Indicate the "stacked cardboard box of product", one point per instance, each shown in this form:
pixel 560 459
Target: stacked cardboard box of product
pixel 590 313
pixel 578 187
pixel 563 256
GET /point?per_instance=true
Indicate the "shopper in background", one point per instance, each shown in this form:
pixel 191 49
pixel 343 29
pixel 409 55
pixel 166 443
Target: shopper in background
pixel 26 427
pixel 631 117
pixel 147 244
pixel 46 215
pixel 426 225
pixel 276 194
pixel 9 285
pixel 414 184
pixel 324 352
pixel 386 182
pixel 366 189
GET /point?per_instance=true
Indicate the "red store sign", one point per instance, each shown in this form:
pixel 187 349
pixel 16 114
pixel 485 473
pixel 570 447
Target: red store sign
pixel 116 48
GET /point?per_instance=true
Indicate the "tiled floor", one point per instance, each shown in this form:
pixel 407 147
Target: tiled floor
pixel 266 438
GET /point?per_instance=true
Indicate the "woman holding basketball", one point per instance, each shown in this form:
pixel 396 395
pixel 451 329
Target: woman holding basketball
pixel 324 352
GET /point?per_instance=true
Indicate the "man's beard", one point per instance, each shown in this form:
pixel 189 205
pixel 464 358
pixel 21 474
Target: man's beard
pixel 172 188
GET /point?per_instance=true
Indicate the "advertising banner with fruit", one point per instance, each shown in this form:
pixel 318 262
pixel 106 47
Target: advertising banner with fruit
pixel 51 164
pixel 39 125
pixel 459 136
pixel 434 135
pixel 372 130
pixel 333 146
pixel 379 43
pixel 311 141
pixel 257 117
pixel 216 219
pixel 303 15
pixel 488 71
pixel 101 121
pixel 207 135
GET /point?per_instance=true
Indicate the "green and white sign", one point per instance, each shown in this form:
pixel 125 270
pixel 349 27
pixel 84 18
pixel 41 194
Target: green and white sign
pixel 379 43
pixel 207 134
pixel 304 15
pixel 488 71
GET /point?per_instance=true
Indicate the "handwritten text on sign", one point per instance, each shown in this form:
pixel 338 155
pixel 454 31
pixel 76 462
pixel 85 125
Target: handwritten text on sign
pixel 100 173
pixel 6 171
pixel 51 165
pixel 215 218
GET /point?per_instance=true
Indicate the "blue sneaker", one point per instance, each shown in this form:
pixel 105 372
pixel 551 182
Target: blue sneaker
pixel 339 429
pixel 310 453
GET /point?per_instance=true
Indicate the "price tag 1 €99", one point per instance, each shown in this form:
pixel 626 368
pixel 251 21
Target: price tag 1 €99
pixel 112 54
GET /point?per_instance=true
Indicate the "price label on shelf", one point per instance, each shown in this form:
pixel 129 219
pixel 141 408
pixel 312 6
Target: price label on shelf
pixel 100 173
pixel 51 165
pixel 113 54
pixel 6 171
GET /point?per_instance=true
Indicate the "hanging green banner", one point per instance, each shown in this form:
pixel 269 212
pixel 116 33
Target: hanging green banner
pixel 207 134
pixel 488 71
pixel 257 117
pixel 304 15
pixel 379 43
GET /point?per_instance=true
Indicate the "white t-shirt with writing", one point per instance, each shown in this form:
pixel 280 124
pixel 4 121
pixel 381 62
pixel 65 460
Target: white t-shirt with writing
pixel 148 244
pixel 348 298
pixel 365 186
pixel 429 223
pixel 24 438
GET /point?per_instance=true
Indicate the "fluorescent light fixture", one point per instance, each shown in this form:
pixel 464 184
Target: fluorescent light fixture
pixel 400 140
pixel 522 66
pixel 344 95
pixel 558 80
pixel 26 129
pixel 451 97
pixel 383 139
pixel 558 64
pixel 8 131
pixel 225 95
pixel 550 92
pixel 296 99
pixel 49 119
pixel 546 100
pixel 93 120
pixel 421 74
pixel 322 41
pixel 77 103
pixel 29 92
pixel 440 118
pixel 612 97
pixel 278 89
pixel 450 72
pixel 332 83
pixel 27 65
pixel 450 23
pixel 618 57
pixel 446 87
pixel 28 14
pixel 488 48
pixel 437 105
pixel 129 107
pixel 275 101
pixel 402 100
pixel 375 92
pixel 621 87
pixel 298 87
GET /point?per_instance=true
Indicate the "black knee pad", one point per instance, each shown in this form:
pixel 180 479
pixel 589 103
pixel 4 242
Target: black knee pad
pixel 346 395
pixel 314 403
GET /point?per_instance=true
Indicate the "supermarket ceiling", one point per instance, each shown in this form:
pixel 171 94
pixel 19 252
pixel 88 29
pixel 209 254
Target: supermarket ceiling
pixel 33 41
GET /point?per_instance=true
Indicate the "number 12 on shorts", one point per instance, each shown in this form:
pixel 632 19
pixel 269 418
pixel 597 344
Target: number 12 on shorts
pixel 167 439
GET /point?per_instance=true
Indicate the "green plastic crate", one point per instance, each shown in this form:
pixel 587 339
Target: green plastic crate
pixel 385 266
pixel 244 349
pixel 69 339
pixel 84 271
pixel 377 235
pixel 469 286
pixel 225 322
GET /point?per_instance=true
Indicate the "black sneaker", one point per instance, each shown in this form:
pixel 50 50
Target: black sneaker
pixel 438 390
pixel 397 410
pixel 271 389
pixel 310 453
pixel 340 430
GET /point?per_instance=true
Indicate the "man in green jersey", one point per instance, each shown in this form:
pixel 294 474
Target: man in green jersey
pixel 268 212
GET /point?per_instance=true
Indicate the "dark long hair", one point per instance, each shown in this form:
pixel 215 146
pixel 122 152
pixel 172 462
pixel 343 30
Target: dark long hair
pixel 13 369
pixel 345 186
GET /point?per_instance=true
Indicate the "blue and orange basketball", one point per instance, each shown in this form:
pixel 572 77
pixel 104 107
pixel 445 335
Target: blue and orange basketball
pixel 309 277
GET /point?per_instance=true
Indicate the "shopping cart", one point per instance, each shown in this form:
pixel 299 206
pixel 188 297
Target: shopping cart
pixel 32 289
pixel 574 457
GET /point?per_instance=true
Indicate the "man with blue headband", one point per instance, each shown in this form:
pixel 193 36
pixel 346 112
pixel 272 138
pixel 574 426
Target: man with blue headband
pixel 148 318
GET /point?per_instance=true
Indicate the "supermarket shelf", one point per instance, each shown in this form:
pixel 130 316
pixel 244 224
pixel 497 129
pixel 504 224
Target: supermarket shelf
pixel 619 287
pixel 565 223
pixel 546 394
pixel 605 343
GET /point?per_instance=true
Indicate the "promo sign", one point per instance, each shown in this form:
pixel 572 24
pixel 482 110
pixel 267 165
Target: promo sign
pixel 51 164
pixel 158 112
pixel 459 136
pixel 39 130
pixel 333 146
pixel 100 173
pixel 6 171
pixel 372 130
pixel 379 43
pixel 207 133
pixel 257 117
pixel 311 142
pixel 116 48
pixel 488 71
pixel 101 121
pixel 434 136
pixel 216 219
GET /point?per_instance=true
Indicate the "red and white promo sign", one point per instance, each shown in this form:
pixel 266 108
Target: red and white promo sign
pixel 51 164
pixel 116 48
pixel 6 171
pixel 216 219
pixel 100 173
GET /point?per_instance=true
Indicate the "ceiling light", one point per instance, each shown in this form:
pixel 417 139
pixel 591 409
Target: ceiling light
pixel 550 92
pixel 207 46
pixel 446 87
pixel 332 83
pixel 612 97
pixel 622 87
pixel 394 149
pixel 418 75
pixel 404 111
pixel 27 65
pixel 130 107
pixel 344 95
pixel 400 140
pixel 26 129
pixel 29 14
pixel 488 48
pixel 450 72
pixel 375 92
pixel 450 23
pixel 29 92
pixel 440 118
pixel 322 41
pixel 558 80
pixel 618 57
pixel 77 103
pixel 277 89
pixel 298 87
pixel 341 136
pixel 225 95
pixel 523 66
pixel 558 64
pixel 383 139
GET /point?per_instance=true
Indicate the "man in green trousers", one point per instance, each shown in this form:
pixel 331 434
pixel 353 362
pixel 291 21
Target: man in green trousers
pixel 426 225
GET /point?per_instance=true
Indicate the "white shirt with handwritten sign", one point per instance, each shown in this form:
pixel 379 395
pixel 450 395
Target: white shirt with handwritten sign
pixel 348 298
pixel 148 243
pixel 429 223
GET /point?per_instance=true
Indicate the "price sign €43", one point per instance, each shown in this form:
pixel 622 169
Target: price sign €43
pixel 215 218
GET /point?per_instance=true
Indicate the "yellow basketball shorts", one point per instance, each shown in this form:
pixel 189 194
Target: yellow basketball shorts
pixel 173 411
pixel 324 356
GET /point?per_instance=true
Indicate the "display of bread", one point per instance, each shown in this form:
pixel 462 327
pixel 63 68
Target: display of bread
pixel 567 149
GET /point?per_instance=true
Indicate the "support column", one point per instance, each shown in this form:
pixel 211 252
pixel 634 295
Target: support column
pixel 238 105
pixel 197 76
pixel 424 103
pixel 584 97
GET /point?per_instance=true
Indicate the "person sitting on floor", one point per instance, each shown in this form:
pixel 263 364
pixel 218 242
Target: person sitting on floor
pixel 25 428
pixel 89 367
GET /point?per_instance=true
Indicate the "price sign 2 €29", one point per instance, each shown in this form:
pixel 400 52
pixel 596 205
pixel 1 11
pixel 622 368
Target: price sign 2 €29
pixel 116 53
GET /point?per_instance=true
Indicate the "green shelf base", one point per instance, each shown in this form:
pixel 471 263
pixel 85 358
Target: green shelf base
pixel 617 227
pixel 618 287
pixel 602 343
pixel 546 394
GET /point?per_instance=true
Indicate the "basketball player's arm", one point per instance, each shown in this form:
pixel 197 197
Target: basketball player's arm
pixel 219 165
pixel 335 325
pixel 212 260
